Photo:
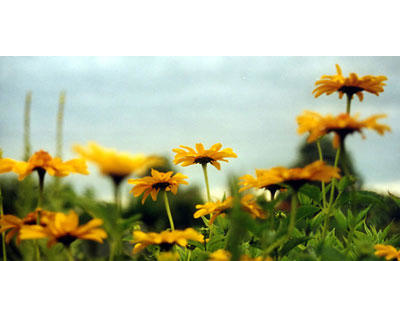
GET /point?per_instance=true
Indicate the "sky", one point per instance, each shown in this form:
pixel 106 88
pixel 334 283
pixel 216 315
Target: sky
pixel 154 104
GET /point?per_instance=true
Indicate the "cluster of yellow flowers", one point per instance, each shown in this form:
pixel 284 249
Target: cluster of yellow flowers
pixel 64 228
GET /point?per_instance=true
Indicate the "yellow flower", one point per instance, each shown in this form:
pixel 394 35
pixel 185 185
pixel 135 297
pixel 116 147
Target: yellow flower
pixel 220 255
pixel 117 165
pixel 249 205
pixel 179 237
pixel 64 228
pixel 342 125
pixel 168 256
pixel 14 223
pixel 387 251
pixel 224 255
pixel 158 181
pixel 214 208
pixel 42 161
pixel 273 179
pixel 349 85
pixel 202 156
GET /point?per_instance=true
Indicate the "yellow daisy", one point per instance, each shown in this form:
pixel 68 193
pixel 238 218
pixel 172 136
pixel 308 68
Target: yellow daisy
pixel 214 208
pixel 157 181
pixel 179 237
pixel 64 228
pixel 14 223
pixel 387 251
pixel 189 156
pixel 117 165
pixel 342 125
pixel 42 162
pixel 273 179
pixel 349 85
pixel 220 255
pixel 249 204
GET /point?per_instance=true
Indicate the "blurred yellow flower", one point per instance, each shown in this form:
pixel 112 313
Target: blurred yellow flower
pixel 224 255
pixel 249 204
pixel 117 165
pixel 273 179
pixel 14 223
pixel 220 255
pixel 179 237
pixel 349 85
pixel 202 156
pixel 158 181
pixel 42 161
pixel 342 125
pixel 214 208
pixel 387 251
pixel 64 228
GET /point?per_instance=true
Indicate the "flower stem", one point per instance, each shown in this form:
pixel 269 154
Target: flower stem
pixel 41 173
pixel 69 252
pixel 117 198
pixel 59 134
pixel 3 241
pixel 206 180
pixel 348 104
pixel 322 183
pixel 326 221
pixel 171 222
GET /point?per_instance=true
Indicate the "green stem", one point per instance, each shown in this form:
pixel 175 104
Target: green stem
pixel 117 198
pixel 41 173
pixel 69 252
pixel 3 240
pixel 326 221
pixel 322 183
pixel 348 103
pixel 206 180
pixel 171 222
pixel 293 212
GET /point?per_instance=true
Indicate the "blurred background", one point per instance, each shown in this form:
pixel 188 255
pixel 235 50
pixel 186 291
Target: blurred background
pixel 153 104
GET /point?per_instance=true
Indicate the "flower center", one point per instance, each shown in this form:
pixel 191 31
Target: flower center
pixel 350 90
pixel 66 240
pixel 203 160
pixel 161 185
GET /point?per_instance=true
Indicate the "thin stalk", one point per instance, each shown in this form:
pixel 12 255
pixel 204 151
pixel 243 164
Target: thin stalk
pixel 322 183
pixel 326 221
pixel 348 103
pixel 117 198
pixel 206 180
pixel 41 173
pixel 59 134
pixel 171 222
pixel 27 123
pixel 60 119
pixel 3 240
pixel 69 252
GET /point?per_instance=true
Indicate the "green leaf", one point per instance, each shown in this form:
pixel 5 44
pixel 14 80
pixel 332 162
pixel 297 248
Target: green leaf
pixel 313 192
pixel 340 220
pixel 344 183
pixel 360 216
pixel 306 211
pixel 292 243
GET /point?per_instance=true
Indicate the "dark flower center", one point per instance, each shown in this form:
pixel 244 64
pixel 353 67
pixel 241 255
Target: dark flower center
pixel 296 184
pixel 165 246
pixel 161 185
pixel 273 188
pixel 66 240
pixel 350 90
pixel 203 160
pixel 117 178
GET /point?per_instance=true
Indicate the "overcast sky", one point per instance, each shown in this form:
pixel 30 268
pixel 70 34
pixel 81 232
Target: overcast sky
pixel 154 104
